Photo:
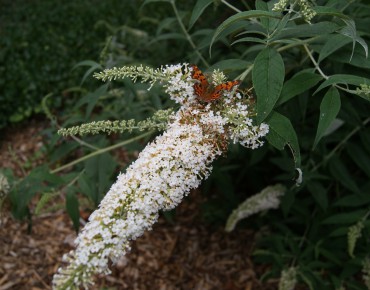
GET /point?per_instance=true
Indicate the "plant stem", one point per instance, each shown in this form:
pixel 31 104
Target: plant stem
pixel 340 144
pixel 230 6
pixel 100 151
pixel 188 37
pixel 314 62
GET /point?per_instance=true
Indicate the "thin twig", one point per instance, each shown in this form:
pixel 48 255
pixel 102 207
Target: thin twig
pixel 100 151
pixel 188 37
pixel 340 144
pixel 314 62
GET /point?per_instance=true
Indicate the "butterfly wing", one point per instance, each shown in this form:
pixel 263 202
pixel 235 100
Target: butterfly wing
pixel 222 87
pixel 203 89
pixel 200 88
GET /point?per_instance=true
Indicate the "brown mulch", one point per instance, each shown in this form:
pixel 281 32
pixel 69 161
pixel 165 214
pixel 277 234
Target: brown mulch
pixel 183 254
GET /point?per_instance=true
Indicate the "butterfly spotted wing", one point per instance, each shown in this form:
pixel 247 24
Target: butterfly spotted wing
pixel 205 91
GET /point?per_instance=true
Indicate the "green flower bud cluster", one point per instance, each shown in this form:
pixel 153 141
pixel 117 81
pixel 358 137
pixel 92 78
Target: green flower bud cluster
pixel 354 233
pixel 364 90
pixel 146 73
pixel 305 8
pixel 280 6
pixel 158 121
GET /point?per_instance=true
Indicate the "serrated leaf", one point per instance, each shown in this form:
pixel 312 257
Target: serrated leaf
pixel 198 10
pixel 342 175
pixel 283 133
pixel 319 193
pixel 241 16
pixel 299 83
pixel 268 78
pixel 329 109
pixel 72 207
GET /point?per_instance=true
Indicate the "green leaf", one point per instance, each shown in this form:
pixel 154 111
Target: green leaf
pixel 93 67
pixel 268 78
pixel 358 59
pixel 268 23
pixel 287 201
pixel 62 150
pixel 343 79
pixel 329 11
pixel 353 200
pixel 230 65
pixel 306 30
pixel 360 157
pixel 351 31
pixel 319 193
pixel 154 1
pixel 329 109
pixel 333 43
pixel 347 218
pixel 299 83
pixel 168 36
pixel 91 99
pixel 249 39
pixel 198 10
pixel 99 171
pixel 341 174
pixel 241 16
pixel 39 180
pixel 282 133
pixel 72 207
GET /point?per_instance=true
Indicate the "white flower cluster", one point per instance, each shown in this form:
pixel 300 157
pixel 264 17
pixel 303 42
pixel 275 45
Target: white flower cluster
pixel 242 130
pixel 165 171
pixel 268 198
pixel 180 85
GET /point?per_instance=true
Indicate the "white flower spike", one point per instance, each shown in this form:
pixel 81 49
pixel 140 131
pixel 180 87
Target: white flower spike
pixel 165 171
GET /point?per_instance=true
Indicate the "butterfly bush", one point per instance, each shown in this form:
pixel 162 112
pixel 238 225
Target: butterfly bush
pixel 164 172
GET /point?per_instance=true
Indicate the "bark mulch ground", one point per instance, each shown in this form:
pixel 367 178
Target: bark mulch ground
pixel 180 254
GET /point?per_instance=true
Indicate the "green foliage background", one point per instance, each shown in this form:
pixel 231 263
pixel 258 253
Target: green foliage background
pixel 306 79
pixel 41 41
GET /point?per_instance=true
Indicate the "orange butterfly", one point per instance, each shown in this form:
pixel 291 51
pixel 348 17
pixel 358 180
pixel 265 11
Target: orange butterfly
pixel 205 91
